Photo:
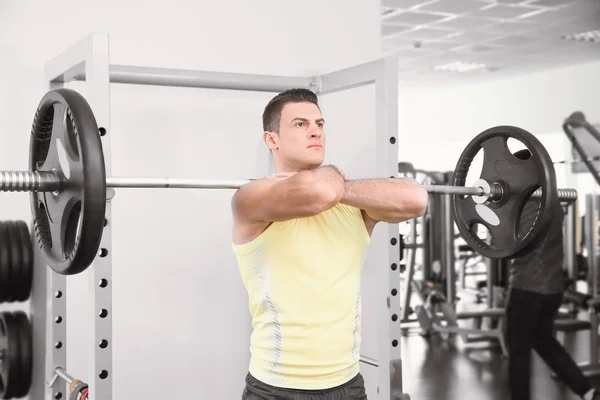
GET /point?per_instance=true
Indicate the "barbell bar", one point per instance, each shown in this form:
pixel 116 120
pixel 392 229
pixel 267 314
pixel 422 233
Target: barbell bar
pixel 29 181
pixel 67 182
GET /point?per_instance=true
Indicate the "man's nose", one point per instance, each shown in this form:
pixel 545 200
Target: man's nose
pixel 315 132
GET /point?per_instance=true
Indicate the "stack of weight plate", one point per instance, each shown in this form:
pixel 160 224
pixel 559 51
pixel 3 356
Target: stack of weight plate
pixel 16 279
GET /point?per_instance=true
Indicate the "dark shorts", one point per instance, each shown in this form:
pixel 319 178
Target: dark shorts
pixel 351 390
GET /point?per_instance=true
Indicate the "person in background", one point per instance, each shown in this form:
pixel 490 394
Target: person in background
pixel 537 285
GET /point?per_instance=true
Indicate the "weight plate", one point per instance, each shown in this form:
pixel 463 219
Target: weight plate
pixel 518 179
pixel 78 389
pixel 5 277
pixel 24 334
pixel 26 260
pixel 10 352
pixel 68 223
pixel 16 280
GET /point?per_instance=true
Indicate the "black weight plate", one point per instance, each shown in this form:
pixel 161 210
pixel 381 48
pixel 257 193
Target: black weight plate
pixel 9 348
pixel 65 139
pixel 518 179
pixel 23 327
pixel 5 277
pixel 26 260
pixel 16 275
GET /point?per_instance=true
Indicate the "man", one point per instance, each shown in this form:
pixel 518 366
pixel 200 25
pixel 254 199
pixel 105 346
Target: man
pixel 538 283
pixel 300 239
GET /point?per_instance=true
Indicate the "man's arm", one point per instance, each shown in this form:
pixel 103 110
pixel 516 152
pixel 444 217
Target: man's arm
pixel 304 194
pixel 390 200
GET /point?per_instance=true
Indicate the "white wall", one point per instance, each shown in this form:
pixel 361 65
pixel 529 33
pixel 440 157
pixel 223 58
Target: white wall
pixel 449 118
pixel 180 313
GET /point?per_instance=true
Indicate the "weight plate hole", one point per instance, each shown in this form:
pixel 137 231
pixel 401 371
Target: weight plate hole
pixel 72 228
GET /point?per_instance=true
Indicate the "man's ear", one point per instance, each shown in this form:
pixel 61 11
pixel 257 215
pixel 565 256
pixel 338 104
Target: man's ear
pixel 271 140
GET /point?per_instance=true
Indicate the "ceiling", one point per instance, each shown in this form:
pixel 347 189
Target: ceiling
pixel 484 39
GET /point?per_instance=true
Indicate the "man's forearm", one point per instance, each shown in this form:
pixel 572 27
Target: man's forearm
pixel 390 200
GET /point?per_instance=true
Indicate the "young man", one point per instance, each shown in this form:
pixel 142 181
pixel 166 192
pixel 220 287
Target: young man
pixel 538 283
pixel 300 239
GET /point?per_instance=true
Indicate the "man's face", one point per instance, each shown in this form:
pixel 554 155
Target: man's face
pixel 301 140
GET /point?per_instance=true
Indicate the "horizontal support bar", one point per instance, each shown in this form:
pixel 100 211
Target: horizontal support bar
pixel 135 75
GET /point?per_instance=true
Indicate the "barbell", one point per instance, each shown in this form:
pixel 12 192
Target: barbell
pixel 68 184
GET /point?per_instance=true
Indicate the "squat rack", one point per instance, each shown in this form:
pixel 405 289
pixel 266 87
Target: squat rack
pixel 88 61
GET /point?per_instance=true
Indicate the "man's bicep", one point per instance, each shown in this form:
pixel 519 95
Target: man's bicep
pixel 249 201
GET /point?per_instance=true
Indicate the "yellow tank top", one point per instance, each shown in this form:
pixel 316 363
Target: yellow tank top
pixel 303 282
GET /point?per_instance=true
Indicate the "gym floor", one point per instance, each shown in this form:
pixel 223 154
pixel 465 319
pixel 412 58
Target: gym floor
pixel 435 369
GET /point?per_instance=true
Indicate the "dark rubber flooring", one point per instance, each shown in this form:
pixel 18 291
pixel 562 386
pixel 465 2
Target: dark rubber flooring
pixel 437 369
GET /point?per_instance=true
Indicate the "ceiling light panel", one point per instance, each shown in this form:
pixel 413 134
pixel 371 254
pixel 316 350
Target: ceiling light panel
pixel 515 40
pixel 589 36
pixel 503 11
pixel 405 4
pixel 459 66
pixel 428 33
pixel 453 6
pixel 415 18
pixel 466 23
